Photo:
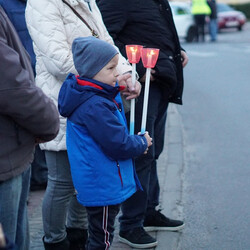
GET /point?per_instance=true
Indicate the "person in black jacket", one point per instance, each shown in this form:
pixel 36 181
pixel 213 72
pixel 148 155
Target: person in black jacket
pixel 148 23
pixel 27 117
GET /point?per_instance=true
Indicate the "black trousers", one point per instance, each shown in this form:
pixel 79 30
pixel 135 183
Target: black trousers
pixel 200 21
pixel 138 205
pixel 101 226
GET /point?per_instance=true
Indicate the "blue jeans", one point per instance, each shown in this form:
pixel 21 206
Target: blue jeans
pixel 60 203
pixel 213 29
pixel 13 209
pixel 136 207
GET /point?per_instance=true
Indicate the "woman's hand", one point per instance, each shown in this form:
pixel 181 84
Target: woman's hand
pixel 130 91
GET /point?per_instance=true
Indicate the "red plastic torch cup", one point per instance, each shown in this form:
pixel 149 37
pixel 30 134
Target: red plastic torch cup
pixel 149 58
pixel 133 54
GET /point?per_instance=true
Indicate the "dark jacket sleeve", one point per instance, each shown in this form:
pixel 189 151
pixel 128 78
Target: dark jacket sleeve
pixel 20 99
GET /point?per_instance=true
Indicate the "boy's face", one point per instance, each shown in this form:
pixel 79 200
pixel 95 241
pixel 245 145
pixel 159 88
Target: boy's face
pixel 108 74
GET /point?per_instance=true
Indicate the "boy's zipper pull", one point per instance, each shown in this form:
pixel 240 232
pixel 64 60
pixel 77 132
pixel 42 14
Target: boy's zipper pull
pixel 119 172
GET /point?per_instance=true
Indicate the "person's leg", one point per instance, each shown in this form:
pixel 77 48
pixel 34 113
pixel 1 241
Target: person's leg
pixel 23 237
pixel 199 27
pixel 213 29
pixel 203 23
pixel 77 214
pixel 57 198
pixel 200 23
pixel 134 208
pixel 155 220
pixel 133 212
pixel 39 171
pixel 160 126
pixel 13 209
pixel 196 20
pixel 77 224
pixel 10 193
pixel 101 226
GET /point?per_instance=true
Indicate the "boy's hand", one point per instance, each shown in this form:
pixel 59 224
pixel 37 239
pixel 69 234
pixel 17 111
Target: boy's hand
pixel 149 141
pixel 130 91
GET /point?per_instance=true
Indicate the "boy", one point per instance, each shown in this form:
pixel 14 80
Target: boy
pixel 100 149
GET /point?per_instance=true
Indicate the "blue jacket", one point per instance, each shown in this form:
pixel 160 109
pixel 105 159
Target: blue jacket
pixel 15 10
pixel 100 149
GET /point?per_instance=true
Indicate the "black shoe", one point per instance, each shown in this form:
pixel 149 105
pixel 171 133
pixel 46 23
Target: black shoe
pixel 137 238
pixel 62 245
pixel 157 221
pixel 77 238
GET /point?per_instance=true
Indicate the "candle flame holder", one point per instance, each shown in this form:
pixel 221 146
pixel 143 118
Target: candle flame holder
pixel 133 53
pixel 149 57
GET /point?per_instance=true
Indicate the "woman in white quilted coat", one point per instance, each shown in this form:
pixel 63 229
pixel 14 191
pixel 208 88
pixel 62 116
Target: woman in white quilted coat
pixel 53 26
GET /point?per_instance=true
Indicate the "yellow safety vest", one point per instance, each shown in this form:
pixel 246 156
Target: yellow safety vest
pixel 200 7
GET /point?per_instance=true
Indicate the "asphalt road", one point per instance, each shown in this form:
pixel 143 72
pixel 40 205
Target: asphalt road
pixel 216 128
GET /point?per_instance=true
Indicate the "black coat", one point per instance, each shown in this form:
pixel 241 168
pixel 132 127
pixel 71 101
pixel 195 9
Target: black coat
pixel 148 23
pixel 213 7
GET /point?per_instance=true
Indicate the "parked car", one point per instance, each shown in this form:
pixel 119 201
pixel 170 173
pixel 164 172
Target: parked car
pixel 184 21
pixel 229 17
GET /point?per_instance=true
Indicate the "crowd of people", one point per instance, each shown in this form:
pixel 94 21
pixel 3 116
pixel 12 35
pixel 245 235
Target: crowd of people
pixel 95 168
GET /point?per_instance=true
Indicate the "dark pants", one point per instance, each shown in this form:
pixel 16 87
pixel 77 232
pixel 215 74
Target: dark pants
pixel 39 170
pixel 200 21
pixel 101 226
pixel 135 208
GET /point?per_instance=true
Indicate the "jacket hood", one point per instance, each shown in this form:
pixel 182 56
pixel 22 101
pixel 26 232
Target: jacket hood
pixel 76 90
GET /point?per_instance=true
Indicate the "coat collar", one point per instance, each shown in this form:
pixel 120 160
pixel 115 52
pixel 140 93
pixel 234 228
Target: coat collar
pixel 99 86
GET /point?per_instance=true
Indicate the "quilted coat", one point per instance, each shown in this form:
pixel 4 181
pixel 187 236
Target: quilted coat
pixel 53 26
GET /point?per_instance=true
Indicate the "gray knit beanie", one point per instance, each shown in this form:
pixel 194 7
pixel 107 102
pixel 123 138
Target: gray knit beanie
pixel 91 54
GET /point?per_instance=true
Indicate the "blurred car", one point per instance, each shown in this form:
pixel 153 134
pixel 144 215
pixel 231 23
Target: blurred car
pixel 228 17
pixel 184 21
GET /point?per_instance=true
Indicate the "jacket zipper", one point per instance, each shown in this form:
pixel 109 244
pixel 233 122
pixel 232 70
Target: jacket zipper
pixel 117 105
pixel 119 172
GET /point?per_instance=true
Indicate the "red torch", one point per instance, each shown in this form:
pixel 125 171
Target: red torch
pixel 149 58
pixel 133 54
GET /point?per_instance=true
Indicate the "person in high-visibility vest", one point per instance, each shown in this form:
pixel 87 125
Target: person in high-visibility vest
pixel 200 9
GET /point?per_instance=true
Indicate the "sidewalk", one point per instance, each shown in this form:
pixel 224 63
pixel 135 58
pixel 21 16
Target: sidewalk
pixel 170 172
